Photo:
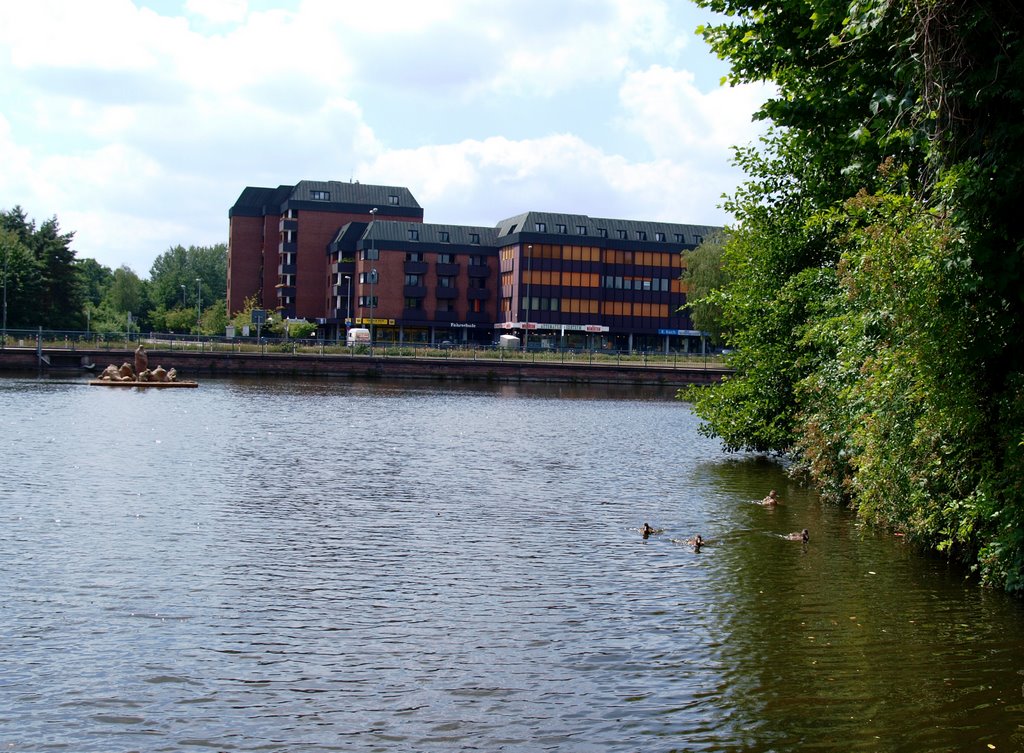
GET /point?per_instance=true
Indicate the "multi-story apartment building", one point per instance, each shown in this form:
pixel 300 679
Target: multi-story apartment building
pixel 348 254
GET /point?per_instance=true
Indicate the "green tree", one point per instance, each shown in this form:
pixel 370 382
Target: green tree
pixel 95 279
pixel 705 276
pixel 127 295
pixel 21 278
pixel 875 268
pixel 56 288
pixel 61 304
pixel 180 266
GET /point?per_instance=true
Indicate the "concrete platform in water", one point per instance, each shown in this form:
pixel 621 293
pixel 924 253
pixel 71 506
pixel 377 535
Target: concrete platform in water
pixel 157 385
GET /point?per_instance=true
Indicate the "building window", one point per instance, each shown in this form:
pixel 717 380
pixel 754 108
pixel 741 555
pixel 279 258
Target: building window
pixel 581 230
pixel 414 280
pixel 641 235
pixel 446 305
pixel 698 239
pixel 446 258
pixel 320 195
pixel 622 234
pixel 393 201
pixel 540 227
pixel 603 232
pixel 474 238
pixel 477 261
pixel 414 303
pixel 414 235
pixel 367 301
pixel 562 229
pixel 443 236
pixel 660 237
pixel 365 278
pixel 679 238
pixel 446 282
pixel 413 256
pixel 477 283
pixel 371 254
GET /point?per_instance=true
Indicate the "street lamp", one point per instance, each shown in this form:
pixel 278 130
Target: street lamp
pixel 348 302
pixel 373 279
pixel 3 342
pixel 373 275
pixel 183 296
pixel 199 306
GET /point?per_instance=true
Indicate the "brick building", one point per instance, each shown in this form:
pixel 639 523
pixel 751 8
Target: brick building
pixel 337 252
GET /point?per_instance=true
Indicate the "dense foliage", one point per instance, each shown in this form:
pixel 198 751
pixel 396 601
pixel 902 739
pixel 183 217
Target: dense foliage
pixel 873 286
pixel 703 275
pixel 36 262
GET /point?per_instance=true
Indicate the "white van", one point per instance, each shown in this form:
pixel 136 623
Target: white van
pixel 358 336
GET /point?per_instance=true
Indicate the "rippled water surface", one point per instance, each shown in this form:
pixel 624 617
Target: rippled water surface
pixel 329 566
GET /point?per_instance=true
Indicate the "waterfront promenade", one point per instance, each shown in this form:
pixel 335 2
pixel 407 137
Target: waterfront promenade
pixel 196 360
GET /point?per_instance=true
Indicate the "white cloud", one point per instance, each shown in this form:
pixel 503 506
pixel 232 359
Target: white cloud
pixel 483 182
pixel 139 130
pixel 676 119
pixel 218 11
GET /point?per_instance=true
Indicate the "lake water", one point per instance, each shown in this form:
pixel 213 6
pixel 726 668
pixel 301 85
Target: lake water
pixel 330 566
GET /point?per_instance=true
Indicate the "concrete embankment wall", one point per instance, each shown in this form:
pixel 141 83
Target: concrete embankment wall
pixel 196 365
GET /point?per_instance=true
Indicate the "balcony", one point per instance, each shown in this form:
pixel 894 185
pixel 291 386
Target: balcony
pixel 287 248
pixel 478 294
pixel 286 269
pixel 286 224
pixel 446 316
pixel 414 315
pixel 415 267
pixel 414 291
pixel 479 270
pixel 447 270
pixel 446 294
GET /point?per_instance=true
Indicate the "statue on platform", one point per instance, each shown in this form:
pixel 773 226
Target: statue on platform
pixel 141 372
pixel 141 359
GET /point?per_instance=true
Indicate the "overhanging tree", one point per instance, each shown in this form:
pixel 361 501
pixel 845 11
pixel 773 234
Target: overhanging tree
pixel 875 268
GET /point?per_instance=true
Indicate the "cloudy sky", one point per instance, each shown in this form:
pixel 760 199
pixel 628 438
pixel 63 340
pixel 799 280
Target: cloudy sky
pixel 138 123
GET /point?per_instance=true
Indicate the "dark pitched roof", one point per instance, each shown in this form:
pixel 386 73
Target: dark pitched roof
pixel 256 202
pixel 394 232
pixel 547 224
pixel 331 195
pixel 361 194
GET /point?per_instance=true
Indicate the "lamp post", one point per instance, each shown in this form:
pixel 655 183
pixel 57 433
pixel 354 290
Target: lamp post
pixel 183 296
pixel 199 306
pixel 3 341
pixel 348 302
pixel 526 326
pixel 373 279
pixel 373 276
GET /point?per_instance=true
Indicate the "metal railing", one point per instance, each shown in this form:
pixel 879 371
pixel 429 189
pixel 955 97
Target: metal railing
pixel 73 341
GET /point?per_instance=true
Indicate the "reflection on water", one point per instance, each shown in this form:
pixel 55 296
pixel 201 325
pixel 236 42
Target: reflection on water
pixel 378 566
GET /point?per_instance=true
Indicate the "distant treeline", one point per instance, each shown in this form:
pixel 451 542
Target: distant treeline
pixel 47 286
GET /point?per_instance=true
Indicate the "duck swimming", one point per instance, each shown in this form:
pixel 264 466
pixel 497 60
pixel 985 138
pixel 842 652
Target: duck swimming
pixel 771 500
pixel 802 536
pixel 646 530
